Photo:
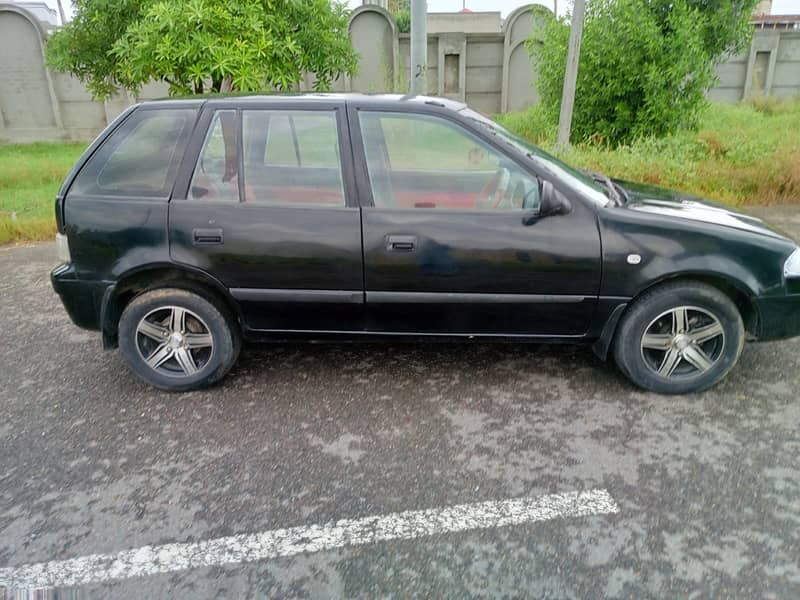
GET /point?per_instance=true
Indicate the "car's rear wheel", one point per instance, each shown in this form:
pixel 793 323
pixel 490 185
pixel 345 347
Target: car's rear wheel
pixel 177 340
pixel 679 337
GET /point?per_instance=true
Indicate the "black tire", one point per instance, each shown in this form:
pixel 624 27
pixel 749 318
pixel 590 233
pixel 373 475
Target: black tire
pixel 656 313
pixel 197 314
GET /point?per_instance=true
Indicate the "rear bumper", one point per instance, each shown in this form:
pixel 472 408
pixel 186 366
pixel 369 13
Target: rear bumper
pixel 779 317
pixel 83 300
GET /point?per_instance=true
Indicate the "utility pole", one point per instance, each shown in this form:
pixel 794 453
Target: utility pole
pixel 419 46
pixel 61 13
pixel 571 75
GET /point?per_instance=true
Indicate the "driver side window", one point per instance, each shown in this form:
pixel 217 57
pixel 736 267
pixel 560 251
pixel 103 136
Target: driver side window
pixel 422 162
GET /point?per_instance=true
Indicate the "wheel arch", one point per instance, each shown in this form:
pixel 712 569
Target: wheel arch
pixel 737 291
pixel 142 279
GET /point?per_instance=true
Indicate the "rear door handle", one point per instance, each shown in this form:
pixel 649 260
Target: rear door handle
pixel 207 237
pixel 401 243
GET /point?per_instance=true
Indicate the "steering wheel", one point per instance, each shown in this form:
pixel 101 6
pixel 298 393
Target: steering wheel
pixel 532 198
pixel 514 194
pixel 522 193
pixel 526 195
pixel 497 188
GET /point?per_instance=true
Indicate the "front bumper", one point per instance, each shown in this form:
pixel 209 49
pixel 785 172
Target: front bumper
pixel 779 317
pixel 83 300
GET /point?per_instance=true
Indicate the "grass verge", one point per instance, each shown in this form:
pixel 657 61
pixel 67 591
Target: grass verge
pixel 741 154
pixel 30 175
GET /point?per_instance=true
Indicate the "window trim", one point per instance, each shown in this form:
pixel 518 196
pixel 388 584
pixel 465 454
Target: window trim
pixel 203 122
pixel 365 178
pixel 239 155
pixel 192 154
pixel 206 137
pixel 290 113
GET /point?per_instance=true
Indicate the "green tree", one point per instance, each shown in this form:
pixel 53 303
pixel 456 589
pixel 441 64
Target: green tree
pixel 204 45
pixel 83 46
pixel 645 65
pixel 403 20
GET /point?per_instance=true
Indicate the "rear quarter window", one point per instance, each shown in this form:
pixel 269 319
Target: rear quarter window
pixel 140 158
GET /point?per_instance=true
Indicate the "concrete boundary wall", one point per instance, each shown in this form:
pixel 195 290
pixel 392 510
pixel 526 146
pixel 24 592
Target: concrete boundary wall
pixel 489 70
pixel 37 104
pixel 769 67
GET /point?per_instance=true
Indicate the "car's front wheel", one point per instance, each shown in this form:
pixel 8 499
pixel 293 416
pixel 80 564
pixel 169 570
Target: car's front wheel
pixel 679 337
pixel 177 340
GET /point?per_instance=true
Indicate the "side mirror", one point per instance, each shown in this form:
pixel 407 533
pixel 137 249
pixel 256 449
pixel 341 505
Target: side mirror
pixel 553 202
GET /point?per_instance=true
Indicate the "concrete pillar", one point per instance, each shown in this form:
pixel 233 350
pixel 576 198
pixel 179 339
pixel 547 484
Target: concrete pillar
pixel 419 46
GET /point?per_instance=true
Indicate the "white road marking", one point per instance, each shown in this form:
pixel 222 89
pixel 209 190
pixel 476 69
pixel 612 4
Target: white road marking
pixel 408 525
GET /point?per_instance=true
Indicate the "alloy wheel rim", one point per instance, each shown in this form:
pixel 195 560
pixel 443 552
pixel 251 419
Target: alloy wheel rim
pixel 683 342
pixel 174 341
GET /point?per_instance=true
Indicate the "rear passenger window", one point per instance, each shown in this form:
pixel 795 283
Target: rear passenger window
pixel 280 146
pixel 140 158
pixel 292 157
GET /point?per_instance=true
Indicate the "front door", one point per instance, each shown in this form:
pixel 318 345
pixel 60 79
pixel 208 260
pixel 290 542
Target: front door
pixel 267 213
pixel 453 243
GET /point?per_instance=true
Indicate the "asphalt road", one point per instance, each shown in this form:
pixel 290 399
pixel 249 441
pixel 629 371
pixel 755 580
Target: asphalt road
pixel 94 461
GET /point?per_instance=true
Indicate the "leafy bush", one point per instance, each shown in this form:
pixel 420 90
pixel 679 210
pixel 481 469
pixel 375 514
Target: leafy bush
pixel 403 19
pixel 645 65
pixel 401 11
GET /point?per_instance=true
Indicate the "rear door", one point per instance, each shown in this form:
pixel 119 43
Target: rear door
pixel 453 242
pixel 268 210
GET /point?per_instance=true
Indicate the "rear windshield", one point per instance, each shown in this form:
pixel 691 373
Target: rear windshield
pixel 140 158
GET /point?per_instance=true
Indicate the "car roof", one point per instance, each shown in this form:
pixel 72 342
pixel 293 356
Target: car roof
pixel 234 100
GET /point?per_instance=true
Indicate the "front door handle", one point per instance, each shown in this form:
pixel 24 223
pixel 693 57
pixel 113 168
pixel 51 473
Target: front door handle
pixel 207 237
pixel 401 243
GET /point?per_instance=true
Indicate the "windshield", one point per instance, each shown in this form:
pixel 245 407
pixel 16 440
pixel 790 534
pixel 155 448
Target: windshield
pixel 555 167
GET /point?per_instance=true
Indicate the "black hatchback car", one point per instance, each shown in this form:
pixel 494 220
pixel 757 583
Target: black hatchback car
pixel 189 226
